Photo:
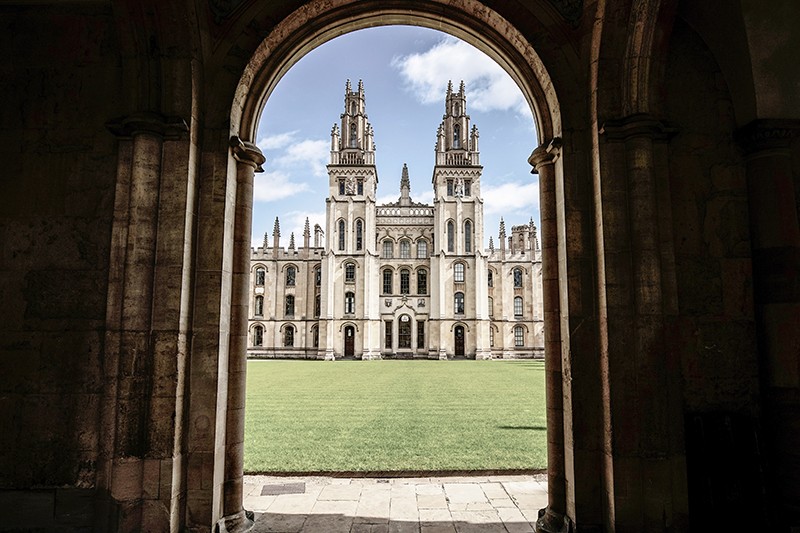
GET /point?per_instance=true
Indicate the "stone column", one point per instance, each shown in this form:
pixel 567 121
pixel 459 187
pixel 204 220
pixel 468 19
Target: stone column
pixel 775 238
pixel 554 517
pixel 248 161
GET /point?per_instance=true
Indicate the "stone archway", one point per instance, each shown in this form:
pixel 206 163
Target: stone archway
pixel 306 28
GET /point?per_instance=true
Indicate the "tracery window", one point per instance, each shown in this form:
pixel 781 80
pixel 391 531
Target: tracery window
pixel 387 281
pixel 405 279
pixel 260 275
pixel 449 187
pixel 317 277
pixel 456 136
pixel 422 249
pixel 517 277
pixel 315 336
pixel 405 249
pixel 422 281
pixel 467 187
pixel 519 336
pixel 341 186
pixel 490 276
pixel 359 234
pixel 387 334
pixel 289 306
pixel 259 307
pixel 288 336
pixel 518 306
pixel 458 303
pixel 349 303
pixel 317 305
pixel 258 336
pixel 420 334
pixel 467 236
pixel 360 186
pixel 353 135
pixel 350 273
pixel 450 235
pixel 341 235
pixel 291 276
pixel 404 332
pixel 491 306
pixel 458 272
pixel 388 249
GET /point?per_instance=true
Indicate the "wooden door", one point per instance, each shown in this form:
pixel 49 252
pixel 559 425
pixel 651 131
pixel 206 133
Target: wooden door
pixel 459 341
pixel 349 341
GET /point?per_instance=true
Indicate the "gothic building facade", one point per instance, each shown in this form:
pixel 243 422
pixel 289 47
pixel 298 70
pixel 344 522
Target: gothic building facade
pixel 404 279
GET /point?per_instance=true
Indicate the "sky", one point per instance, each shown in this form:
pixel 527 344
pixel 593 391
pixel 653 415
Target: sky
pixel 405 72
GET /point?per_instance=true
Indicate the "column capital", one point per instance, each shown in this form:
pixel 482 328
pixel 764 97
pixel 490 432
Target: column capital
pixel 767 134
pixel 637 125
pixel 248 153
pixel 148 122
pixel 545 154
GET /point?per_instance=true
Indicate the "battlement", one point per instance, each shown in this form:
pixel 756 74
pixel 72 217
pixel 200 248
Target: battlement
pixel 268 254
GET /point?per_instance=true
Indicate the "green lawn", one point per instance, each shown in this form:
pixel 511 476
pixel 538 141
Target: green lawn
pixel 387 416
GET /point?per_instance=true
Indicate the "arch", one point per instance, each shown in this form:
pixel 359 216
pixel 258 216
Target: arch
pixel 405 281
pixel 350 272
pixel 288 335
pixel 387 248
pixel 359 234
pixel 490 277
pixel 422 248
pixel 451 236
pixel 258 308
pixel 349 303
pixel 467 236
pixel 387 280
pixel 422 280
pixel 290 275
pixel 341 234
pixel 458 303
pixel 517 273
pixel 260 275
pixel 459 272
pixel 520 333
pixel 258 335
pixel 405 249
pixel 348 323
pixel 315 336
pixel 518 306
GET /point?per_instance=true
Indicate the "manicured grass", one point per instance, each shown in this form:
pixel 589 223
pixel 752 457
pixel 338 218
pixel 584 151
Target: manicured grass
pixel 383 416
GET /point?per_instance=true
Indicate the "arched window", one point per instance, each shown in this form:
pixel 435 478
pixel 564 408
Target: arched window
pixel 422 281
pixel 260 275
pixel 458 303
pixel 317 305
pixel 490 276
pixel 388 249
pixel 288 336
pixel 517 277
pixel 317 277
pixel 404 332
pixel 405 281
pixel 349 303
pixel 289 305
pixel 491 306
pixel 341 235
pixel 387 281
pixel 350 273
pixel 422 249
pixel 353 135
pixel 456 136
pixel 359 234
pixel 258 336
pixel 259 311
pixel 291 276
pixel 467 237
pixel 315 336
pixel 491 337
pixel 518 306
pixel 458 272
pixel 450 235
pixel 405 249
pixel 519 336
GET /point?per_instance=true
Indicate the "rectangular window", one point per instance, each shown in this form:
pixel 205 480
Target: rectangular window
pixel 387 282
pixel 387 335
pixel 388 249
pixel 422 282
pixel 449 187
pixel 422 249
pixel 467 187
pixel 519 336
pixel 405 282
pixel 517 306
pixel 491 337
pixel 458 276
pixel 360 186
pixel 404 332
pixel 341 187
pixel 420 334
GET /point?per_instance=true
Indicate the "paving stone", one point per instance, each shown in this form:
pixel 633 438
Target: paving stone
pixel 328 523
pixel 457 506
pixel 403 527
pixel 514 521
pixel 476 517
pixel 340 492
pixel 284 523
pixel 374 504
pixel 437 528
pixel 293 504
pixel 531 501
pixel 431 501
pixel 369 528
pixel 432 516
pixel 258 503
pixel 464 493
pixel 522 487
pixel 341 507
pixel 404 509
pixel 429 489
pixel 479 506
pixel 494 490
pixel 498 503
pixel 283 488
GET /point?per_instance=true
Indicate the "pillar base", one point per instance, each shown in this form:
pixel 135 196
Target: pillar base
pixel 552 522
pixel 241 522
pixel 442 355
pixel 329 356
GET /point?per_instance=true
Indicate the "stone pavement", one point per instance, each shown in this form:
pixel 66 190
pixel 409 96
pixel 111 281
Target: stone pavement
pixel 503 504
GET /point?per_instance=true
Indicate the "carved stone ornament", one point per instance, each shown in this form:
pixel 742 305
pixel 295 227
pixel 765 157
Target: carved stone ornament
pixel 766 134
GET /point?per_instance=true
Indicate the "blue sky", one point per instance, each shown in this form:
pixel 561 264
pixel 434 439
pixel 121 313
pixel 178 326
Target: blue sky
pixel 405 72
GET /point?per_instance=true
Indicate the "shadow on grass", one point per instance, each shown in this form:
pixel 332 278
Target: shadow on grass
pixel 531 428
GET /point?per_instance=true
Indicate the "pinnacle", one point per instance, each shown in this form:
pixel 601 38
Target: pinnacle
pixel 276 230
pixel 307 229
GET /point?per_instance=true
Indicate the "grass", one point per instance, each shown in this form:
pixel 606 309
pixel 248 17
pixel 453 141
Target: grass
pixel 390 416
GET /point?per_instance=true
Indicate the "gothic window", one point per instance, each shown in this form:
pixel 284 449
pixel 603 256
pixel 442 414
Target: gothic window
pixel 341 235
pixel 457 109
pixel 420 334
pixel 387 281
pixel 491 337
pixel 317 306
pixel 491 306
pixel 289 306
pixel 288 336
pixel 387 334
pixel 517 277
pixel 467 187
pixel 458 303
pixel 291 276
pixel 258 336
pixel 260 275
pixel 360 186
pixel 317 277
pixel 341 186
pixel 388 249
pixel 352 108
pixel 491 278
pixel 405 249
pixel 422 249
pixel 349 303
pixel 259 305
pixel 315 336
pixel 350 273
pixel 359 234
pixel 519 336
pixel 518 306
pixel 458 272
pixel 353 135
pixel 451 230
pixel 467 236
pixel 449 187
pixel 456 136
pixel 422 281
pixel 404 332
pixel 405 277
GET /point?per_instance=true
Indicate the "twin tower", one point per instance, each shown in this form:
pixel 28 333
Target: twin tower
pixel 405 279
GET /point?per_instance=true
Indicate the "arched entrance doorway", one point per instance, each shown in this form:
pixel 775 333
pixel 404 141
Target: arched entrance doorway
pixel 458 341
pixel 349 341
pixel 319 21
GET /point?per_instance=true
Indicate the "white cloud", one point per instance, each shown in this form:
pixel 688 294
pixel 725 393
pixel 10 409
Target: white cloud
pixel 275 186
pixel 489 87
pixel 295 221
pixel 277 141
pixel 312 153
pixel 510 198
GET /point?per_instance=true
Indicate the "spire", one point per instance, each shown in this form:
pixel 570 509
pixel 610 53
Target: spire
pixel 306 237
pixel 276 237
pixel 449 87
pixel 361 87
pixel 405 187
pixel 502 228
pixel 347 87
pixel 307 228
pixel 266 236
pixel 291 241
pixel 461 87
pixel 276 229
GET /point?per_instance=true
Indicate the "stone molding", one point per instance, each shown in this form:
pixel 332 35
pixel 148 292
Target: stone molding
pixel 545 154
pixel 637 125
pixel 248 153
pixel 148 122
pixel 767 134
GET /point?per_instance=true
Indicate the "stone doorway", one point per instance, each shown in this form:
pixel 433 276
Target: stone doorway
pixel 349 341
pixel 459 341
